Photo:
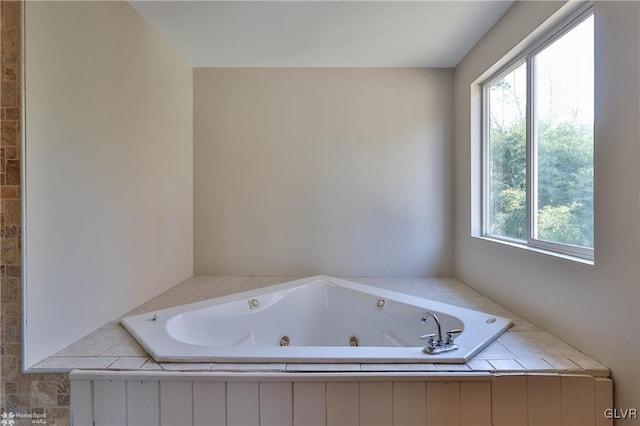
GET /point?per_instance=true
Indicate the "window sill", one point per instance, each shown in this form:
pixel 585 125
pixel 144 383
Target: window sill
pixel 529 248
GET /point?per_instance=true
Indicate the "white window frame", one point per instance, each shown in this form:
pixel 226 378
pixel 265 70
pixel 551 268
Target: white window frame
pixel 527 57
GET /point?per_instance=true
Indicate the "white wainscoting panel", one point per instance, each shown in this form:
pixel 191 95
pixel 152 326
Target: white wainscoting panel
pixel 243 404
pixel 276 404
pixel 209 404
pixel 100 398
pixel 409 403
pixel 309 403
pixel 82 403
pixel 577 392
pixel 475 403
pixel 604 392
pixel 544 397
pixel 376 403
pixel 343 403
pixel 111 409
pixel 443 403
pixel 176 403
pixel 143 404
pixel 509 401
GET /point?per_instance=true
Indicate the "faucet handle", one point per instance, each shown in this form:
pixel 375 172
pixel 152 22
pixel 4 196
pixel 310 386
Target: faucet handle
pixel 431 337
pixel 452 334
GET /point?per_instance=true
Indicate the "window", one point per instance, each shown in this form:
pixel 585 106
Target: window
pixel 538 144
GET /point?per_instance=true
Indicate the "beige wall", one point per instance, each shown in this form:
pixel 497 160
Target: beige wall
pixel 594 308
pixel 109 167
pixel 335 171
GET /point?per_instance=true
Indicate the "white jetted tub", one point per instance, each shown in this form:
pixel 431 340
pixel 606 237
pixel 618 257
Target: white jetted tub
pixel 316 319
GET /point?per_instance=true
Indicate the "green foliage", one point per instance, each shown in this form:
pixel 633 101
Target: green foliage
pixel 565 182
pixel 507 171
pixel 558 223
pixel 509 219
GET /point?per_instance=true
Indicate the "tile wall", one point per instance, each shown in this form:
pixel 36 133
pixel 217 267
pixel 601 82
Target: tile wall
pixel 19 393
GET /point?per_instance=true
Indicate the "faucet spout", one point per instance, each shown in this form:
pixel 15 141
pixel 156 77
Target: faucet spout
pixel 424 319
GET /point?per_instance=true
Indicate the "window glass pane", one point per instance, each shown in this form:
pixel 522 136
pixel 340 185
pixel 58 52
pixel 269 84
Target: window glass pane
pixel 563 104
pixel 506 156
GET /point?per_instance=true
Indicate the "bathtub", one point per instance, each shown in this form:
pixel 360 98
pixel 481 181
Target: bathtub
pixel 316 319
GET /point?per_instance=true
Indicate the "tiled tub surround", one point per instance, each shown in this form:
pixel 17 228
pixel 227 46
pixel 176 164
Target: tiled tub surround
pixel 522 350
pixel 526 377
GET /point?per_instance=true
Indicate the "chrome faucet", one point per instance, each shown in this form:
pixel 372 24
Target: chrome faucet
pixel 433 338
pixel 436 343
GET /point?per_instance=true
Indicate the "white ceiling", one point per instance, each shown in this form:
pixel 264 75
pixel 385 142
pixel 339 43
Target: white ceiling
pixel 322 33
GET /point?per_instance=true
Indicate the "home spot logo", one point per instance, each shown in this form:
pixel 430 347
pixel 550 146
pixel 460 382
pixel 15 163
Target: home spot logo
pixel 10 418
pixel 6 419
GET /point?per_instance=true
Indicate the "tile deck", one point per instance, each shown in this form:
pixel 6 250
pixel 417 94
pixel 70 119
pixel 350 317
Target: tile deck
pixel 522 349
